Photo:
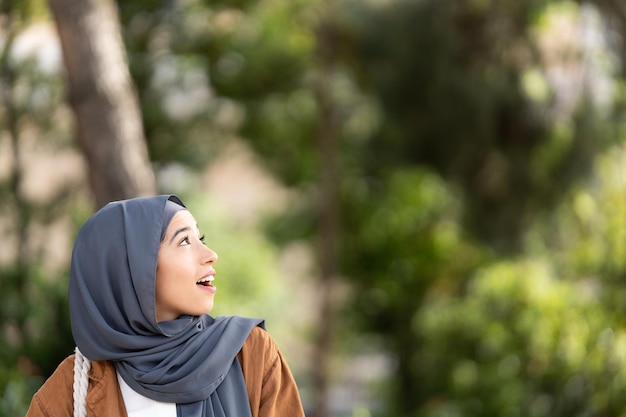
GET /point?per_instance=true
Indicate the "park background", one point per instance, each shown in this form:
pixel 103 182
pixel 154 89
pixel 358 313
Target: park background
pixel 426 199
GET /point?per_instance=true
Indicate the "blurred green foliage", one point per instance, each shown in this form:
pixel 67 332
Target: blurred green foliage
pixel 482 229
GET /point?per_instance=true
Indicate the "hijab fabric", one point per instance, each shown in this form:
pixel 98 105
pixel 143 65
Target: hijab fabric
pixel 191 360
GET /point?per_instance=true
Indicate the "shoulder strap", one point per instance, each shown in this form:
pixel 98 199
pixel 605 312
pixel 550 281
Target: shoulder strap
pixel 81 383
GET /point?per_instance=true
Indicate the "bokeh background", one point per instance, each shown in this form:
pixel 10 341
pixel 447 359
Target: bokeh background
pixel 425 199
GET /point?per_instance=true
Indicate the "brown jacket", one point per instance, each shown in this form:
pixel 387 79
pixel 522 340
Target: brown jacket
pixel 271 388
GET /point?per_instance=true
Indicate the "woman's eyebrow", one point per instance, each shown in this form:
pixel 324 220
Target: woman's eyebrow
pixel 179 231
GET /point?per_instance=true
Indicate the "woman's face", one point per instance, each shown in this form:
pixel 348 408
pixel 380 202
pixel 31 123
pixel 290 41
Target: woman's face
pixel 184 272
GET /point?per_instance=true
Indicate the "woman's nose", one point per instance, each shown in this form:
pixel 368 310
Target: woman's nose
pixel 208 255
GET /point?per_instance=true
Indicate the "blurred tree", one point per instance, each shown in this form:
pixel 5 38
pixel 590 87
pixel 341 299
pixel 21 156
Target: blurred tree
pixel 614 14
pixel 520 339
pixel 33 314
pixel 101 93
pixel 452 100
pixel 449 80
pixel 327 136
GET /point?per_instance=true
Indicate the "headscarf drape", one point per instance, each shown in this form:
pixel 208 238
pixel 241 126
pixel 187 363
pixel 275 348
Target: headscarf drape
pixel 112 310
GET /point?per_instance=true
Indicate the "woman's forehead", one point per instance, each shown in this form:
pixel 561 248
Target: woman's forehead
pixel 180 219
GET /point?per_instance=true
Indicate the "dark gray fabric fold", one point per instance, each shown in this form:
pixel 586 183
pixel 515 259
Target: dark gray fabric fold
pixel 112 306
pixel 220 400
pixel 172 206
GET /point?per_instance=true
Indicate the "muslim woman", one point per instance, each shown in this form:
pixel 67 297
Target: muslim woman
pixel 140 293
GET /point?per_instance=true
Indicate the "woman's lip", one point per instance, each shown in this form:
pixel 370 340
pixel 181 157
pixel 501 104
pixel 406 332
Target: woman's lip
pixel 211 273
pixel 210 288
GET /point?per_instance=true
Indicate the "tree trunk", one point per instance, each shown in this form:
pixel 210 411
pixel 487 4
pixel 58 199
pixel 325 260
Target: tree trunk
pixel 101 94
pixel 328 219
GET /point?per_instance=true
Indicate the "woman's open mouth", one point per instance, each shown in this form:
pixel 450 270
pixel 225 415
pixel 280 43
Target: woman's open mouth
pixel 206 281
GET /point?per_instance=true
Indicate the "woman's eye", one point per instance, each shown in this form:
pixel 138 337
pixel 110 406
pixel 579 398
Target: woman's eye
pixel 201 238
pixel 185 241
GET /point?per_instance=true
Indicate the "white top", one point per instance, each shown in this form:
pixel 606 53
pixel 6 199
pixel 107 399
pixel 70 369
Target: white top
pixel 139 406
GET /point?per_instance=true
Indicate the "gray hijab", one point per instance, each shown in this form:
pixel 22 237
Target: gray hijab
pixel 191 360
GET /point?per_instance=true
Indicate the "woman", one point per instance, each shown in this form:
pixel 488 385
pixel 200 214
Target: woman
pixel 141 287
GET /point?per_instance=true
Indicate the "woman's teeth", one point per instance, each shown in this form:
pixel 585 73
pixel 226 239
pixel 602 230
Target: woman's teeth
pixel 205 281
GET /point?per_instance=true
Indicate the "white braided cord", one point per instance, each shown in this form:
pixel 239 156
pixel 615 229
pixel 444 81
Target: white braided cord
pixel 81 383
